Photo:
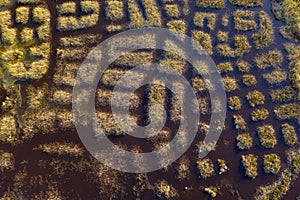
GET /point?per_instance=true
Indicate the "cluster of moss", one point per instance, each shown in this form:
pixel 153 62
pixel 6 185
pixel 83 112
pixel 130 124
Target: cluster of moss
pixel 204 40
pixel 293 56
pixel 285 94
pixel 114 10
pixel 250 164
pixel 225 67
pixel 288 111
pixel 8 129
pixel 234 103
pixel 177 25
pixel 272 163
pixel 247 3
pixel 62 97
pixel 212 191
pixel 205 168
pixel 172 10
pixel 22 15
pixel 199 84
pixel 239 122
pixel 64 148
pixel 244 141
pixel 265 33
pixel 249 80
pixel 157 94
pixel 276 190
pixel 89 19
pixel 272 58
pixel 289 134
pixel 243 66
pixel 222 166
pixel 66 8
pixel 259 114
pixel 255 98
pixel 210 3
pixel 293 160
pixel 108 124
pixel 288 11
pixel 183 169
pixel 267 137
pixel 244 20
pixel 164 190
pixel 6 161
pixel 136 15
pixel 223 36
pixel 230 84
pixel 225 20
pixel 275 77
pixel 200 17
pixel 242 46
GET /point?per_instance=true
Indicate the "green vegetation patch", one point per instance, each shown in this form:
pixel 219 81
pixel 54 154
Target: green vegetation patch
pixel 205 168
pixel 255 98
pixel 114 10
pixel 243 66
pixel 282 95
pixel 239 122
pixel 249 80
pixel 259 114
pixel 272 58
pixel 230 84
pixel 288 111
pixel 275 77
pixel 200 17
pixel 244 141
pixel 164 190
pixel 66 8
pixel 267 137
pixel 210 3
pixel 289 134
pixel 7 161
pixel 234 103
pixel 244 20
pixel 247 3
pixel 22 15
pixel 172 10
pixel 272 163
pixel 250 164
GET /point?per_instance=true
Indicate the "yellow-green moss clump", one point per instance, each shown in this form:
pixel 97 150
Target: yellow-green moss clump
pixel 288 111
pixel 244 20
pixel 272 58
pixel 243 66
pixel 66 8
pixel 22 14
pixel 212 191
pixel 177 26
pixel 8 129
pixel 255 98
pixel 242 46
pixel 230 84
pixel 225 67
pixel 205 168
pixel 288 11
pixel 239 122
pixel 200 17
pixel 114 10
pixel 293 160
pixel 272 163
pixel 204 40
pixel 222 166
pixel 64 148
pixel 265 33
pixel 234 103
pixel 249 80
pixel 267 137
pixel 164 190
pixel 223 36
pixel 172 10
pixel 289 134
pixel 210 3
pixel 282 95
pixel 6 161
pixel 250 164
pixel 247 3
pixel 275 77
pixel 244 141
pixel 259 114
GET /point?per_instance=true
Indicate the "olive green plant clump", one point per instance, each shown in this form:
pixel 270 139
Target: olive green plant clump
pixel 239 122
pixel 259 114
pixel 205 168
pixel 244 141
pixel 255 98
pixel 288 111
pixel 249 162
pixel 249 80
pixel 267 136
pixel 225 67
pixel 272 163
pixel 234 103
pixel 289 134
pixel 164 190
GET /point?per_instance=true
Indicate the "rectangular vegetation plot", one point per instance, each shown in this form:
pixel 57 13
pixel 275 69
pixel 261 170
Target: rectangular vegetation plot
pixel 244 20
pixel 201 17
pixel 267 136
pixel 247 3
pixel 269 59
pixel 210 3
